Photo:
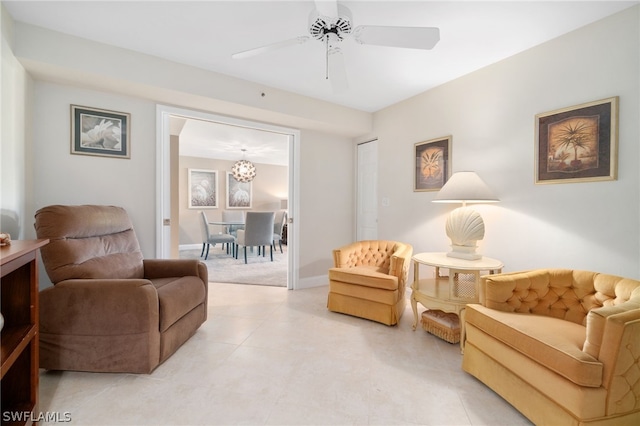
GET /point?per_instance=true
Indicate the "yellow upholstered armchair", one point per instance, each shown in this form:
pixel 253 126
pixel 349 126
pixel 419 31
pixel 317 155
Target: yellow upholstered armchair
pixel 562 346
pixel 369 279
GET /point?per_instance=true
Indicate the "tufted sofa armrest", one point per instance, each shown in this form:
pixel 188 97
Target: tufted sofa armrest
pixel 619 354
pixel 400 263
pixel 598 320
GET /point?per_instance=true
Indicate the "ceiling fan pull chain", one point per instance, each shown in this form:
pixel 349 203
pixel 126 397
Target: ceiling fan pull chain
pixel 326 59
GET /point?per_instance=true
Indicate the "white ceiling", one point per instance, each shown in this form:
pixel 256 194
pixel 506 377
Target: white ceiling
pixel 473 34
pixel 226 142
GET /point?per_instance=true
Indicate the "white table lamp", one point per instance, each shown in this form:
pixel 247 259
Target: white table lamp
pixel 465 225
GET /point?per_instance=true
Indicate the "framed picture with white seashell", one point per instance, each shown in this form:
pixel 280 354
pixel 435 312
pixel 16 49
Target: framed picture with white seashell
pixel 432 161
pixel 100 132
pixel 239 194
pixel 578 143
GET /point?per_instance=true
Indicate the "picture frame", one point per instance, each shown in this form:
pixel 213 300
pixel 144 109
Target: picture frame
pixel 432 164
pixel 577 143
pixel 239 194
pixel 100 132
pixel 203 189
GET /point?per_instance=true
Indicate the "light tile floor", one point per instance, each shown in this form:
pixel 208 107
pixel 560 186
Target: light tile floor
pixel 270 356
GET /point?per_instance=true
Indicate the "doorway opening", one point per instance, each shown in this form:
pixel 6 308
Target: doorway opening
pixel 168 227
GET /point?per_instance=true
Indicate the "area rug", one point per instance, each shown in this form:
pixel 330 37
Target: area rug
pixel 258 271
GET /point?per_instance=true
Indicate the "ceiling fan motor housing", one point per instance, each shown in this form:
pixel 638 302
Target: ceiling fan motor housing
pixel 322 26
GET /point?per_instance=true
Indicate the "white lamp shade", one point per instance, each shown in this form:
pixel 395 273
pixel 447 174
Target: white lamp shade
pixel 465 187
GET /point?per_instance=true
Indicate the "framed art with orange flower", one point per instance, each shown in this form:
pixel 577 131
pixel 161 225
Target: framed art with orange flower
pixel 578 143
pixel 432 164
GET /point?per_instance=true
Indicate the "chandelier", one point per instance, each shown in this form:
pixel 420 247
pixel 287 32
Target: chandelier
pixel 243 170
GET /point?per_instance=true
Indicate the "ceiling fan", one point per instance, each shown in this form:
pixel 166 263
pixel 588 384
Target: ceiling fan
pixel 331 23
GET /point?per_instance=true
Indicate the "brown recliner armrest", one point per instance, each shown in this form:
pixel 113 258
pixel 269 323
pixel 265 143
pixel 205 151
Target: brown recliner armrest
pixel 163 268
pixel 99 307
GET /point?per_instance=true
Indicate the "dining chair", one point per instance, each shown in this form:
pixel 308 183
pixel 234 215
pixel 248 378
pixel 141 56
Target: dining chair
pixel 209 237
pixel 233 216
pixel 257 232
pixel 278 227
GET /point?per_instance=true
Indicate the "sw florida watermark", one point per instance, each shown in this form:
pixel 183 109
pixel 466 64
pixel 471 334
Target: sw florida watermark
pixel 42 416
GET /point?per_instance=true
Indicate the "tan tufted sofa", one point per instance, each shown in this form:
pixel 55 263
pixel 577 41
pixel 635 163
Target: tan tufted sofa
pixel 562 346
pixel 109 309
pixel 369 279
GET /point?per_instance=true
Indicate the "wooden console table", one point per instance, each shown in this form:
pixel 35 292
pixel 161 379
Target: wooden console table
pixel 449 293
pixel 19 339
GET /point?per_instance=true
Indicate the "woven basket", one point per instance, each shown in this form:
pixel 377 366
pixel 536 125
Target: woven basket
pixel 442 324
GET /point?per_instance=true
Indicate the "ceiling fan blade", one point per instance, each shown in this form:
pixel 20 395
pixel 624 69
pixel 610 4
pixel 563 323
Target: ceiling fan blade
pixel 407 37
pixel 337 72
pixel 327 8
pixel 270 47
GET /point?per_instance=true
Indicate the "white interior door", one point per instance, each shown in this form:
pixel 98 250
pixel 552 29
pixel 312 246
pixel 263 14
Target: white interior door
pixel 367 191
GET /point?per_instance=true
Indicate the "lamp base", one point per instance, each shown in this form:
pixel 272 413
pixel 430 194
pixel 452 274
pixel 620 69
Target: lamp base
pixel 464 252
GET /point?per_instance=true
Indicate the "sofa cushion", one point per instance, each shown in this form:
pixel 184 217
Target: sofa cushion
pixel 552 342
pixel 177 297
pixel 368 276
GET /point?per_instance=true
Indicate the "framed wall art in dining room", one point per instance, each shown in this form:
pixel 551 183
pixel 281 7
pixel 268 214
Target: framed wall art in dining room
pixel 578 143
pixel 203 189
pixel 239 194
pixel 100 132
pixel 432 161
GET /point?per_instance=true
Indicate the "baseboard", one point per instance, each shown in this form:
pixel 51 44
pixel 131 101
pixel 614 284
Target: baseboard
pixel 190 246
pixel 310 282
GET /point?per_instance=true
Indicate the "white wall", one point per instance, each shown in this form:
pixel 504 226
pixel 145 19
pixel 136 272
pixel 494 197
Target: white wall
pixel 490 113
pixel 72 70
pixel 63 178
pixel 16 90
pixel 327 202
pixel 71 60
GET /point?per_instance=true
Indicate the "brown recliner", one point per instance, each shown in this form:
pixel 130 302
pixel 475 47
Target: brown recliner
pixel 109 309
pixel 369 280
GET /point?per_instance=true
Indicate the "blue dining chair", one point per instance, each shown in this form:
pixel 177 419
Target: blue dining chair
pixel 209 238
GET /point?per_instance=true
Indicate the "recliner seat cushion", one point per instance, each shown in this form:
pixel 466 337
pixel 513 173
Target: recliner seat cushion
pixel 554 343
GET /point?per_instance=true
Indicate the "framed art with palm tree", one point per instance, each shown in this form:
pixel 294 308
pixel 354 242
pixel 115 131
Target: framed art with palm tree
pixel 432 164
pixel 578 143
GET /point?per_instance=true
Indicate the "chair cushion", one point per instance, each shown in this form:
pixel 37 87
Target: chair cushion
pixel 552 342
pixel 178 296
pixel 88 242
pixel 368 276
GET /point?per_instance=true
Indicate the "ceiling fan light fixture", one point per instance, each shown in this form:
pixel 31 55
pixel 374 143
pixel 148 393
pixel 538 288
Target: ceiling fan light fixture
pixel 321 25
pixel 331 23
